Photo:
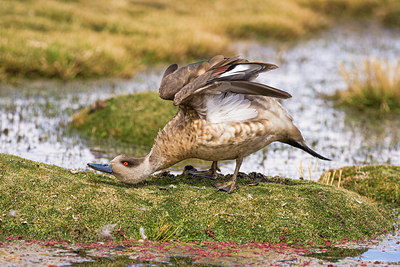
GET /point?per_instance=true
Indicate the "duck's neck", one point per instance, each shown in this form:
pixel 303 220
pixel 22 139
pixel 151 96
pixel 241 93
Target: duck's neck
pixel 158 159
pixel 173 143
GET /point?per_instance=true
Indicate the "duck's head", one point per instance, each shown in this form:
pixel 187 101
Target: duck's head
pixel 127 169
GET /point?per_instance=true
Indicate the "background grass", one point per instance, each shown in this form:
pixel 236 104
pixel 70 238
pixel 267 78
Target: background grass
pixel 373 86
pixel 50 202
pixel 66 39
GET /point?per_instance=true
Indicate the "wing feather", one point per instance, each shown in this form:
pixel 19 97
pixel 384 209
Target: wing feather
pixel 229 107
pixel 252 88
pixel 173 82
pixel 170 70
pixel 218 75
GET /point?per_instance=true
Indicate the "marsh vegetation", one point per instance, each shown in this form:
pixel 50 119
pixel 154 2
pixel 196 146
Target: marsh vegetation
pixel 372 85
pixel 81 39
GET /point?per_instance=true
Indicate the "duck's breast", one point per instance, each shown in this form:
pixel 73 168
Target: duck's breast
pixel 229 140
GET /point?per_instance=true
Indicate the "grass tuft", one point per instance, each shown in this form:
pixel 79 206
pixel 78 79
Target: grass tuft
pixel 164 230
pixel 373 85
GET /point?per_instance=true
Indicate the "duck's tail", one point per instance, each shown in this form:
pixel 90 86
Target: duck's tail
pixel 302 145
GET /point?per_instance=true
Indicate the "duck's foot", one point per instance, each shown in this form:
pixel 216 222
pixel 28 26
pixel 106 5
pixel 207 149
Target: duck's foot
pixel 204 174
pixel 210 174
pixel 226 186
pixel 254 182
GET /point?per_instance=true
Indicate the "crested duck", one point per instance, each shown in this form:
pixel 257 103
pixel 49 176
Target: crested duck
pixel 222 115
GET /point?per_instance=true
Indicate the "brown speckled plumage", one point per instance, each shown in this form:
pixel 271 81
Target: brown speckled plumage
pixel 222 115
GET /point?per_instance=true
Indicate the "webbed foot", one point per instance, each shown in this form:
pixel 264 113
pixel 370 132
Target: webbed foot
pixel 226 186
pixel 210 174
pixel 204 174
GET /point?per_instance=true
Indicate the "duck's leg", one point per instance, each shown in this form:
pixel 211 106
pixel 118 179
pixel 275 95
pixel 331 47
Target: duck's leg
pixel 230 185
pixel 214 167
pixel 211 173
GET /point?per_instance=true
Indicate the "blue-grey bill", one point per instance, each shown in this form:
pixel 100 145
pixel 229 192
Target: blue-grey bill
pixel 101 167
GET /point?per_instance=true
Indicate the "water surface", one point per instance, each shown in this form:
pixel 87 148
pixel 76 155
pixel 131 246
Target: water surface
pixel 34 117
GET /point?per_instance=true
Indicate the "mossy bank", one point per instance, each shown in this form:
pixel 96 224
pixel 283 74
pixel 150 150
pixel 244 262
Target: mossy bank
pixel 45 201
pixel 133 119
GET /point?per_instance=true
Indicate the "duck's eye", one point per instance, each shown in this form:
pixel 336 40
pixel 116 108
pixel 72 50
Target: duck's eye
pixel 126 163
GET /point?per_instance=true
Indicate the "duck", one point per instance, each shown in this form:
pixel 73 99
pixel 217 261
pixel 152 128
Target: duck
pixel 223 114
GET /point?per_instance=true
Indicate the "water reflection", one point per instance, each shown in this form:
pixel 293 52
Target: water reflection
pixel 126 261
pixel 334 254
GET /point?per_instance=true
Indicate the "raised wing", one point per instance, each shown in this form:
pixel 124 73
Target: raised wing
pixel 215 76
pixel 174 78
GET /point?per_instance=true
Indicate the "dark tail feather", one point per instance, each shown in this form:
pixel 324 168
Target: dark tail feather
pixel 302 145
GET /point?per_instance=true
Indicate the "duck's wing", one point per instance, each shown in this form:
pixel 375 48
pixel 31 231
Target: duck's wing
pixel 175 79
pixel 234 77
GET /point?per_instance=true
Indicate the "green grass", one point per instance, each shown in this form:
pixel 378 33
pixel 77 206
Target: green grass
pixel 381 182
pixel 53 203
pixel 371 86
pixel 85 39
pixel 134 119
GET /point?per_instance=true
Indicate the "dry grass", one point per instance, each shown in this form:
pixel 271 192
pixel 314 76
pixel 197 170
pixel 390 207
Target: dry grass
pixel 311 169
pixel 68 39
pixel 373 84
pixel 329 178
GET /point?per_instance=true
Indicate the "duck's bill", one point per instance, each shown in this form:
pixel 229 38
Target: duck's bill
pixel 101 167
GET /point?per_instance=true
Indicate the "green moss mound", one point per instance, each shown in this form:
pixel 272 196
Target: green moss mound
pixel 134 119
pixel 380 182
pixel 53 203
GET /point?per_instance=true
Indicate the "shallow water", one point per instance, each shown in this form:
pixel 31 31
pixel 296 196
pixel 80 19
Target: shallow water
pixel 309 69
pixel 24 253
pixel 34 117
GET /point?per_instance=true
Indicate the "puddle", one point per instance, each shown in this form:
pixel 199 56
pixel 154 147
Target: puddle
pixel 22 253
pixel 19 252
pixel 335 254
pixel 382 256
pixel 386 250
